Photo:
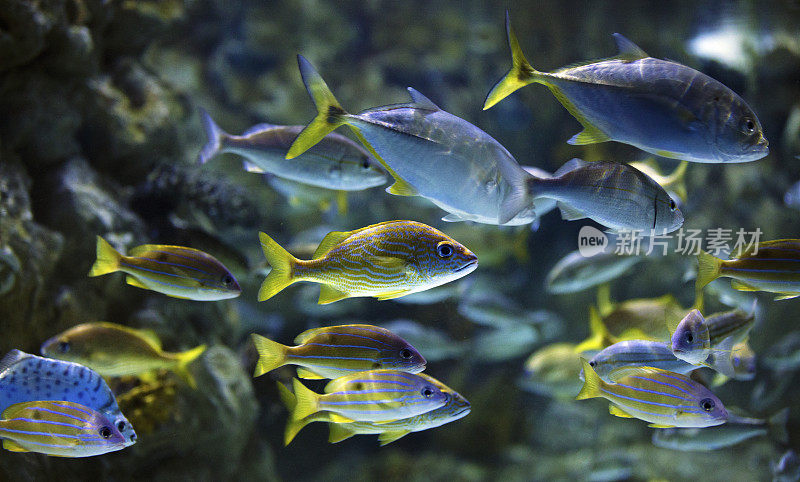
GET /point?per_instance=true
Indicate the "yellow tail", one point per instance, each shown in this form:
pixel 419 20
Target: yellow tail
pixel 292 426
pixel 591 384
pixel 676 182
pixel 708 267
pixel 306 401
pixel 330 113
pixel 282 262
pixel 271 355
pixel 107 259
pixel 520 75
pixel 599 333
pixel 184 360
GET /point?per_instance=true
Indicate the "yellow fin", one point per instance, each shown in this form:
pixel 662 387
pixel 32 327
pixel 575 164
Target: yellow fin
pixel 149 335
pixel 658 425
pixel 135 282
pixel 184 360
pixel 786 296
pixel 392 295
pixel 591 384
pixel 742 286
pixel 330 113
pixel 339 432
pixel 589 135
pixel 329 241
pixel 12 446
pixel 336 418
pixel 282 262
pixel 107 259
pixel 604 304
pixel 520 75
pixel 391 436
pixel 618 412
pixel 271 354
pixel 306 400
pixel 401 188
pixel 329 294
pixel 308 374
pixel 286 396
pixel 599 333
pixel 308 334
pixel 341 202
pixel 708 269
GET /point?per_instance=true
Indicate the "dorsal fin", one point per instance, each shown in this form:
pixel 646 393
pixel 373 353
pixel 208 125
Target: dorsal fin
pixel 258 128
pixel 628 50
pixel 570 165
pixel 420 101
pixel 11 358
pixel 329 241
pixel 308 334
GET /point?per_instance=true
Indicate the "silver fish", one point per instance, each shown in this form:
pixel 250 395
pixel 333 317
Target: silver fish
pixel 576 272
pixel 335 163
pixel 735 431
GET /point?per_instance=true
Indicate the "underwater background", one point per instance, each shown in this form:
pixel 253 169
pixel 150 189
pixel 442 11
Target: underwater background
pixel 99 135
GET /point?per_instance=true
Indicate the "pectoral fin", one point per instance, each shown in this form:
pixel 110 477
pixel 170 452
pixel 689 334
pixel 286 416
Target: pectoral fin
pixel 569 213
pixel 589 135
pixel 389 437
pixel 402 188
pixel 786 296
pixel 742 286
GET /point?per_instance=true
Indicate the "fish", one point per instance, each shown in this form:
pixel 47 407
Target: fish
pixel 29 378
pixel 506 343
pixel 420 145
pixel 62 429
pixel 786 468
pixel 635 319
pixel 576 272
pixel 659 106
pixel 542 205
pixel 784 355
pixel 175 271
pixel 661 397
pixel 335 163
pixel 370 396
pixel 735 431
pixel 436 344
pixel 772 266
pixel 492 308
pixel 385 260
pixel 455 407
pixel 697 338
pixel 674 182
pixel 624 357
pixel 553 371
pixel 792 196
pixel 114 350
pixel 613 194
pixel 335 351
pixel 304 197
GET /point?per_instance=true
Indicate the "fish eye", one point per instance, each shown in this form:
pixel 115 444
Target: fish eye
pixel 405 353
pixel 592 363
pixel 689 337
pixel 104 432
pixel 365 164
pixel 120 426
pixel 63 346
pixel 227 280
pixel 427 392
pixel 707 404
pixel 747 125
pixel 672 205
pixel 444 250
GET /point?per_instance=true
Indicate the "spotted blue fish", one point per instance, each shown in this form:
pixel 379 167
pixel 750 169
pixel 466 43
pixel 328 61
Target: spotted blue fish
pixel 64 429
pixel 28 378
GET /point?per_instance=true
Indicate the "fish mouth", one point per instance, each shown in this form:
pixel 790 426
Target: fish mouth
pixel 474 262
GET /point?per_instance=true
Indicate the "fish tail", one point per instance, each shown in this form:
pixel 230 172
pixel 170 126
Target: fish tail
pixel 271 354
pixel 286 396
pixel 520 75
pixel 184 360
pixel 708 269
pixel 330 113
pixel 677 181
pixel 282 263
pixel 598 330
pixel 306 401
pixel 107 259
pixel 215 136
pixel 519 198
pixel 777 426
pixel 591 382
pixel 292 426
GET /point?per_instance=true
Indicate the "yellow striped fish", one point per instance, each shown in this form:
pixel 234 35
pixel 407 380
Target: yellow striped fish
pixel 385 260
pixel 663 398
pixel 173 270
pixel 115 350
pixel 773 267
pixel 335 351
pixel 455 408
pixel 64 429
pixel 373 396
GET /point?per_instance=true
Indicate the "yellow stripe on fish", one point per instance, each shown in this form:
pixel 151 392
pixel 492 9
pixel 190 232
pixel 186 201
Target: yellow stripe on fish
pixel 385 260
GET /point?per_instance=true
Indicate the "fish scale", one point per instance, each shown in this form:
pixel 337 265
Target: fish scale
pixel 27 378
